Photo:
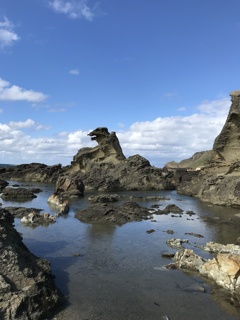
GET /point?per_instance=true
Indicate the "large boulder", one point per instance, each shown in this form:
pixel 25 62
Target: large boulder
pixel 27 286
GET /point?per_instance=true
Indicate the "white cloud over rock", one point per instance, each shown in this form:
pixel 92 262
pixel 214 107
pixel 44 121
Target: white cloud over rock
pixel 159 141
pixel 7 34
pixel 73 8
pixel 10 92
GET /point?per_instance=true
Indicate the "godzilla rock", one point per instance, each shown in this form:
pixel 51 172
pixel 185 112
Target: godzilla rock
pixel 27 289
pixel 34 172
pixel 108 150
pixel 105 168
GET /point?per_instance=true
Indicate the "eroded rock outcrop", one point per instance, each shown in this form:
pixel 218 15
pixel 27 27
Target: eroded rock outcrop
pixel 127 212
pixel 223 269
pixel 219 182
pixel 105 168
pixel 34 172
pixel 27 289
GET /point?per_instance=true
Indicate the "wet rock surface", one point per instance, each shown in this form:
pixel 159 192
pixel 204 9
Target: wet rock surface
pixel 129 211
pixel 9 193
pixel 26 283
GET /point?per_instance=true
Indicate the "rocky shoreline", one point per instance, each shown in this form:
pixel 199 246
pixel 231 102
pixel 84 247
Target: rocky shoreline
pixel 26 283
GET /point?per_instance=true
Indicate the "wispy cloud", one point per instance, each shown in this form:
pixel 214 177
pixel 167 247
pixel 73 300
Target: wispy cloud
pixel 7 34
pixel 74 9
pixel 10 92
pixel 74 72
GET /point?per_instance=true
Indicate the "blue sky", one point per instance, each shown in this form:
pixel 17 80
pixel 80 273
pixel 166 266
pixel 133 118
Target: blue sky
pixel 156 72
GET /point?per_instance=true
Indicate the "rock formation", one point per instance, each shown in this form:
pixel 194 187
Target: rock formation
pixel 223 269
pixel 33 172
pixel 227 144
pixel 105 168
pixel 219 181
pixel 26 284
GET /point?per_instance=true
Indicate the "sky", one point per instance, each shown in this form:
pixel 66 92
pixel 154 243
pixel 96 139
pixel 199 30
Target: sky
pixel 157 72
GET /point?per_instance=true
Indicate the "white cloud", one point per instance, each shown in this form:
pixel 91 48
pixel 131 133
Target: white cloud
pixel 73 8
pixel 10 92
pixel 74 72
pixel 176 138
pixel 159 141
pixel 7 34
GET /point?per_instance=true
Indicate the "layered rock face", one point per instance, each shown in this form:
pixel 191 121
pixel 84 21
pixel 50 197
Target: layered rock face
pixel 27 289
pixel 219 181
pixel 227 144
pixel 105 168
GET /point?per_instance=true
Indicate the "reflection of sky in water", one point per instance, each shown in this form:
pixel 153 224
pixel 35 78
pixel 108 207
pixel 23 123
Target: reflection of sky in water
pixel 116 272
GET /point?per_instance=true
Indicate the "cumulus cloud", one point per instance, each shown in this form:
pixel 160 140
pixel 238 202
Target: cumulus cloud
pixel 73 8
pixel 10 92
pixel 176 138
pixel 159 141
pixel 7 34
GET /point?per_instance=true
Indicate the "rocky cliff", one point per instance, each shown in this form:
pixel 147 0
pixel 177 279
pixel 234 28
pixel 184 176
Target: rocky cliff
pixel 219 181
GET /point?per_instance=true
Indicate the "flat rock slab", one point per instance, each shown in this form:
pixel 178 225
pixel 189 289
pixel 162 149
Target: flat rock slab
pixel 127 212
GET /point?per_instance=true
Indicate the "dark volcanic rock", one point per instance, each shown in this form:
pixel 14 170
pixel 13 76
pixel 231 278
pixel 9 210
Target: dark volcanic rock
pixel 20 212
pixel 26 284
pixel 17 194
pixel 34 172
pixel 3 184
pixel 129 211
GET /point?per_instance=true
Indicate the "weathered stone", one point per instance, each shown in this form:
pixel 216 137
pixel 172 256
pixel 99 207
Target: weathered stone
pixel 104 198
pixel 129 211
pixel 17 194
pixel 176 243
pixel 187 259
pixel 34 172
pixel 56 202
pixel 26 284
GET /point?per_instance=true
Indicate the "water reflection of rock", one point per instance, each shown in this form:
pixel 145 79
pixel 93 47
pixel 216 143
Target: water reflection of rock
pixel 97 229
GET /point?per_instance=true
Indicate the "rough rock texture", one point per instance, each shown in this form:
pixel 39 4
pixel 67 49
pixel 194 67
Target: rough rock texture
pixel 3 184
pixel 223 269
pixel 68 187
pixel 218 183
pixel 226 145
pixel 105 168
pixel 108 150
pixel 129 211
pixel 17 194
pixel 26 284
pixel 34 172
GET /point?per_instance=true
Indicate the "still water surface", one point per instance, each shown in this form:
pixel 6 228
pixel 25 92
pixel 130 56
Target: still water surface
pixel 114 272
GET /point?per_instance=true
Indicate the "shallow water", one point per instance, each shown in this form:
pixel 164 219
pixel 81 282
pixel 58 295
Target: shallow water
pixel 117 272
